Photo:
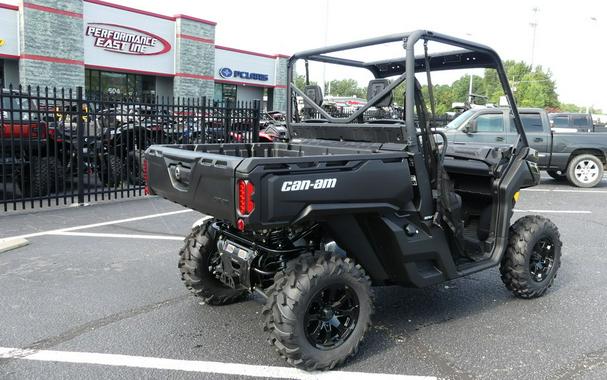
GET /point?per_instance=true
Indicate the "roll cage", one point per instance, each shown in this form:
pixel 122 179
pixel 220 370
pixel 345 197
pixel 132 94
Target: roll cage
pixel 470 55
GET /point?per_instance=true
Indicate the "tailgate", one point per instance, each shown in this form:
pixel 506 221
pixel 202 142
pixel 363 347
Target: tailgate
pixel 198 180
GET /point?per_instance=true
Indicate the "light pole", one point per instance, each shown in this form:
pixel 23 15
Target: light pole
pixel 533 25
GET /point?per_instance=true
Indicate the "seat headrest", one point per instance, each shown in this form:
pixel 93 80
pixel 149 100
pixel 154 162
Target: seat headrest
pixel 375 87
pixel 314 92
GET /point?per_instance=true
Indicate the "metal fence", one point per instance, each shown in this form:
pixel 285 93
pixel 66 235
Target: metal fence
pixel 58 148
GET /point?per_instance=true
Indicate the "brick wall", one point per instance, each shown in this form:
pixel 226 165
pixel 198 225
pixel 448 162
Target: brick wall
pixel 51 43
pixel 280 92
pixel 194 58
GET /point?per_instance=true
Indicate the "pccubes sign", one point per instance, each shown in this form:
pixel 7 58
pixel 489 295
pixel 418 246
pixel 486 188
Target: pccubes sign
pixel 126 40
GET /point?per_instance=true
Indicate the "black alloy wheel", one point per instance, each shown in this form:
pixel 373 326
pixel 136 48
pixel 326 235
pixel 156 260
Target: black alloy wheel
pixel 331 316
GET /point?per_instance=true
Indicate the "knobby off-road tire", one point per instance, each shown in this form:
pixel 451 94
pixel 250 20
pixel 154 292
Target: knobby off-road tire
pixel 533 257
pixel 45 176
pixel 112 170
pixel 194 264
pixel 585 170
pixel 292 305
pixel 557 174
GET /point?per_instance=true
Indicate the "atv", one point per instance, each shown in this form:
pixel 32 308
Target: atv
pixel 353 202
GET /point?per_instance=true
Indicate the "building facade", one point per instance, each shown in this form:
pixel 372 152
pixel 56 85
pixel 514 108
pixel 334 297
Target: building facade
pixel 108 48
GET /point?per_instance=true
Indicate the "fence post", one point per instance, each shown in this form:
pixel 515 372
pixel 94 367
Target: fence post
pixel 80 139
pixel 228 121
pixel 256 118
pixel 203 121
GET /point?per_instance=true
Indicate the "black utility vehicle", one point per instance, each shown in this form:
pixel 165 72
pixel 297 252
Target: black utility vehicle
pixel 352 202
pixel 565 154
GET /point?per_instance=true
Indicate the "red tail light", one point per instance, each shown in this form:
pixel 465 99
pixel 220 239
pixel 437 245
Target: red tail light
pixel 246 189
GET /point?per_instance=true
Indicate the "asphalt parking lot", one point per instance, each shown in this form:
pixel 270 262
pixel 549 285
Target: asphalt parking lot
pixel 96 294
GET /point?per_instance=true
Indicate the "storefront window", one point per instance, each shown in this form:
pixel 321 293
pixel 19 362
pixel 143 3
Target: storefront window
pixel 105 83
pixel 1 73
pixel 229 92
pixel 225 92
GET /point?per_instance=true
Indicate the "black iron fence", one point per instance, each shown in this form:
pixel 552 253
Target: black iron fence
pixel 58 148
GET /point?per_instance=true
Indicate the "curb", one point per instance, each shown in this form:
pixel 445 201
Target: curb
pixel 7 245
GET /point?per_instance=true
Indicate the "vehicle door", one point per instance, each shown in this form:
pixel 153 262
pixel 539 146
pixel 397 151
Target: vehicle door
pixel 582 123
pixel 537 131
pixel 560 121
pixel 486 127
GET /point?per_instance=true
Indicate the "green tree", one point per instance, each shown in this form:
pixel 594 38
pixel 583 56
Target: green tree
pixel 300 81
pixel 346 87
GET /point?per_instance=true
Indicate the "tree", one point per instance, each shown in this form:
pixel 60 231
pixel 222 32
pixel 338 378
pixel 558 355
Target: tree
pixel 300 82
pixel 346 87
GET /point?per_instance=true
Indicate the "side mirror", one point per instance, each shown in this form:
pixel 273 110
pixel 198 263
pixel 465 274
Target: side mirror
pixel 470 127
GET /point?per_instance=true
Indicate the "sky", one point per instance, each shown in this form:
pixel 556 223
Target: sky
pixel 570 36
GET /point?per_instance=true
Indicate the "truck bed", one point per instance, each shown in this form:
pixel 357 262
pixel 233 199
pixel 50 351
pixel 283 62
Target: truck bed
pixel 290 180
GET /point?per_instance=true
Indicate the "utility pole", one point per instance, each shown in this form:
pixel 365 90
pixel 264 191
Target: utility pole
pixel 326 87
pixel 533 25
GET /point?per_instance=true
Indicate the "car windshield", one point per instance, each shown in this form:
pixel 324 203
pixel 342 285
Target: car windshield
pixel 458 121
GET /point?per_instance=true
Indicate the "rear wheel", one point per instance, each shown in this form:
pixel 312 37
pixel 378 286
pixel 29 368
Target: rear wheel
pixel 45 176
pixel 318 311
pixel 112 170
pixel 533 257
pixel 557 174
pixel 585 170
pixel 197 259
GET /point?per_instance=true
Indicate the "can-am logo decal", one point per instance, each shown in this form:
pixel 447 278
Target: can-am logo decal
pixel 126 40
pixel 226 72
pixel 319 184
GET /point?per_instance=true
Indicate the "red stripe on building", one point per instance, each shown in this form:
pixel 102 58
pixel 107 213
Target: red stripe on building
pixel 9 6
pixel 52 59
pixel 194 38
pixel 9 56
pixel 244 83
pixel 129 71
pixel 194 76
pixel 282 56
pixel 129 9
pixel 196 19
pixel 280 86
pixel 52 10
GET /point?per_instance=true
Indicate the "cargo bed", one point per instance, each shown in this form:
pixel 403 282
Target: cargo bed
pixel 287 177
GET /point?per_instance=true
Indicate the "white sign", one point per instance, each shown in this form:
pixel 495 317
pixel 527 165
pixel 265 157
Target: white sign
pixel 237 67
pixel 9 40
pixel 126 40
pixel 122 40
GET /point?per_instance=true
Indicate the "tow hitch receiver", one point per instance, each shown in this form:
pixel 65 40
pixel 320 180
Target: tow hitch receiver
pixel 233 269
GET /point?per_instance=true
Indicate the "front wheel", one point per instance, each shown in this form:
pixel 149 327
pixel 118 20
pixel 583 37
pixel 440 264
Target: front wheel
pixel 585 170
pixel 533 257
pixel 318 311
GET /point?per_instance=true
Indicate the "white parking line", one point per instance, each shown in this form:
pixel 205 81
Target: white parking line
pixel 49 232
pixel 123 236
pixel 556 211
pixel 191 365
pixel 566 191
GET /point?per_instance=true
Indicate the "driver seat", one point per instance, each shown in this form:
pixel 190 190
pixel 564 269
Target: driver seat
pixel 373 89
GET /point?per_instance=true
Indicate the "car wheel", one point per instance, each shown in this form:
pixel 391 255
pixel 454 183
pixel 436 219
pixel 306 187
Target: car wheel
pixel 318 311
pixel 585 170
pixel 533 257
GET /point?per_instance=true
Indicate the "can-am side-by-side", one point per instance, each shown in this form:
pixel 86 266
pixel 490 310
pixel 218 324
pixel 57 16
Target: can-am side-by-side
pixel 354 202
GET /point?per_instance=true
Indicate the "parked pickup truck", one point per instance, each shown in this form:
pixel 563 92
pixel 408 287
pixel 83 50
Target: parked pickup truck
pixel 578 157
